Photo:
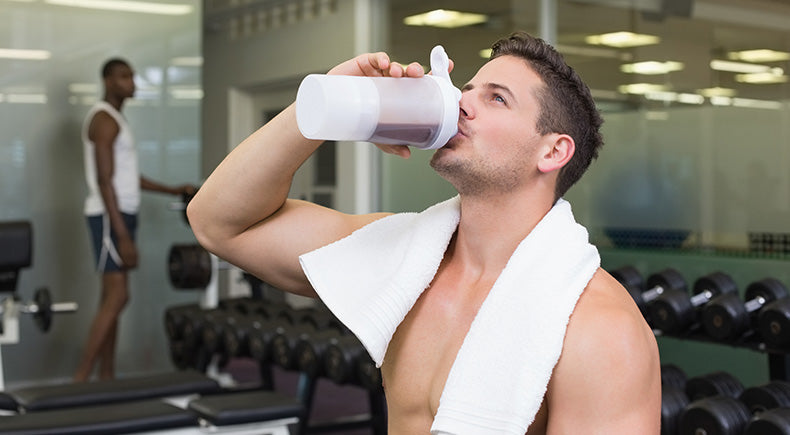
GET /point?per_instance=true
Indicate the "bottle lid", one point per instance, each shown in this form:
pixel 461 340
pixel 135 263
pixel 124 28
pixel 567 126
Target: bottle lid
pixel 440 64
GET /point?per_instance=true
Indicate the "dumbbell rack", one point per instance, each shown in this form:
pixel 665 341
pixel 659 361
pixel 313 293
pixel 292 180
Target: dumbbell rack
pixel 778 358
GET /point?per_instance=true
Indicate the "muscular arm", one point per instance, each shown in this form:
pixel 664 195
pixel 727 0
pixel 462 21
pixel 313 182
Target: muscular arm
pixel 608 378
pixel 242 214
pixel 102 132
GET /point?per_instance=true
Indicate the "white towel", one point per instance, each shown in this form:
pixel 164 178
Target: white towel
pixel 372 278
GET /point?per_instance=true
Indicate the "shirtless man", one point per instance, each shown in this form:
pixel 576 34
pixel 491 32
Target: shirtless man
pixel 528 129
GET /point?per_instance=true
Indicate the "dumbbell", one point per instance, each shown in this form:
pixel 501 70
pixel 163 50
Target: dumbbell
pixel 260 336
pixel 726 318
pixel 308 322
pixel 340 360
pixel 771 422
pixel 673 376
pixel 773 323
pixel 713 384
pixel 175 319
pixel 673 402
pixel 657 284
pixel 675 311
pixel 774 394
pixel 42 308
pixel 310 351
pixel 368 375
pixel 715 415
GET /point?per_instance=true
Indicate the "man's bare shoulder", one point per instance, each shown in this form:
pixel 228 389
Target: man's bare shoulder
pixel 607 321
pixel 608 375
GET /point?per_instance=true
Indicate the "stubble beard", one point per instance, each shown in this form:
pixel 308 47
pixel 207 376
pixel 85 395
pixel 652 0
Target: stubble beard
pixel 475 178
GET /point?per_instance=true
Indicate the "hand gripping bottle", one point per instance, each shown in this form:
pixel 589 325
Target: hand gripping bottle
pixel 419 112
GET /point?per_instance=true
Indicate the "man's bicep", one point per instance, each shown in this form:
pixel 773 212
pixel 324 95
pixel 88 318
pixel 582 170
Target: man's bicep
pixel 271 248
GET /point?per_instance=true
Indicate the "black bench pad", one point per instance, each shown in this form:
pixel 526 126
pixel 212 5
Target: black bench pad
pixel 246 407
pixel 7 402
pixel 180 383
pixel 119 418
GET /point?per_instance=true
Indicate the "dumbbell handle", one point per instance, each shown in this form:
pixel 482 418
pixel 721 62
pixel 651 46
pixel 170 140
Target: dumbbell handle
pixel 653 293
pixel 754 304
pixel 701 298
pixel 57 307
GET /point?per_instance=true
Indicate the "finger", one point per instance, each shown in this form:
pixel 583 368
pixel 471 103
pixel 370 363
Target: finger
pixel 398 150
pixel 397 70
pixel 414 69
pixel 374 64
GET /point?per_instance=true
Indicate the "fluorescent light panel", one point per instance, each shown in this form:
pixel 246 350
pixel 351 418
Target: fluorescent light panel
pixel 127 6
pixel 761 78
pixel 759 55
pixel 622 39
pixel 717 92
pixel 651 67
pixel 445 18
pixel 12 53
pixel 744 68
pixel 641 88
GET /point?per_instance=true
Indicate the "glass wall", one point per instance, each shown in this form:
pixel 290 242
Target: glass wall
pixel 695 98
pixel 50 57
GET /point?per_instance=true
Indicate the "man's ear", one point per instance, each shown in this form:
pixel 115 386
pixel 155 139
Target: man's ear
pixel 558 154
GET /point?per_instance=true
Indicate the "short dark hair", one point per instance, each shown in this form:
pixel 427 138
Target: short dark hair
pixel 566 105
pixel 110 65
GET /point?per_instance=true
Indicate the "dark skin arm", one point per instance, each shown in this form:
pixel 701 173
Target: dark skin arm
pixel 102 132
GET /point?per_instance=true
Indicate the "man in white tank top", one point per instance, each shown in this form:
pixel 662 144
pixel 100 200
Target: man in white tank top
pixel 111 207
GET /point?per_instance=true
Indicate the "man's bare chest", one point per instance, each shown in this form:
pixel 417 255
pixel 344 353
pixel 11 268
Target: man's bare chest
pixel 424 346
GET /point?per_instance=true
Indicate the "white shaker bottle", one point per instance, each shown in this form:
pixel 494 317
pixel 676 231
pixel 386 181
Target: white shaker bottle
pixel 419 112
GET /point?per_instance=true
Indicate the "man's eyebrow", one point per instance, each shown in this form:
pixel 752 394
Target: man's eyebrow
pixel 492 86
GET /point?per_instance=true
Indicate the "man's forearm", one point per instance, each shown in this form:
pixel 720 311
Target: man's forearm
pixel 252 182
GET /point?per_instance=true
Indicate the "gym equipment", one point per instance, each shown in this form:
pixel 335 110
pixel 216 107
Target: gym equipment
pixel 675 311
pixel 673 376
pixel 720 415
pixel 774 394
pixel 310 351
pixel 726 318
pixel 182 205
pixel 773 323
pixel 673 402
pixel 771 422
pixel 16 253
pixel 657 283
pixel 251 412
pixel 713 384
pixel 340 359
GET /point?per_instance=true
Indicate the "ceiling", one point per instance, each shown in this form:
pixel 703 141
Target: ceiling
pixel 693 32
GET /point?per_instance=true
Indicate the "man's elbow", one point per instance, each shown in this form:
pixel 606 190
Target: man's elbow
pixel 201 225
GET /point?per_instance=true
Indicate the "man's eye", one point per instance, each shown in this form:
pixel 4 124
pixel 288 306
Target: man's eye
pixel 499 99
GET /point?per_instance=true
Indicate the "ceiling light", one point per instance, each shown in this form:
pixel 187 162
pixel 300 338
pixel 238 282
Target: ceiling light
pixel 486 53
pixel 622 39
pixel 10 53
pixel 26 98
pixel 187 93
pixel 186 61
pixel 651 67
pixel 746 68
pixel 445 18
pixel 127 6
pixel 641 88
pixel 761 78
pixel 83 88
pixel 605 53
pixel 756 104
pixel 716 92
pixel 761 55
pixel 687 98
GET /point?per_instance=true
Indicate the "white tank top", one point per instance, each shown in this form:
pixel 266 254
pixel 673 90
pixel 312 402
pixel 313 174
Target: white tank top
pixel 126 175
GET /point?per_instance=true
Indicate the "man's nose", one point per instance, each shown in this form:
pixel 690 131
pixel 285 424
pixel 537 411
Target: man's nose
pixel 465 106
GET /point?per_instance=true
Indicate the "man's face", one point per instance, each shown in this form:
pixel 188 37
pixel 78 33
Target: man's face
pixel 120 82
pixel 496 147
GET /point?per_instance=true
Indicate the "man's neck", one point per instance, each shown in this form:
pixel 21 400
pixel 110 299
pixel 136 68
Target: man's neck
pixel 491 228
